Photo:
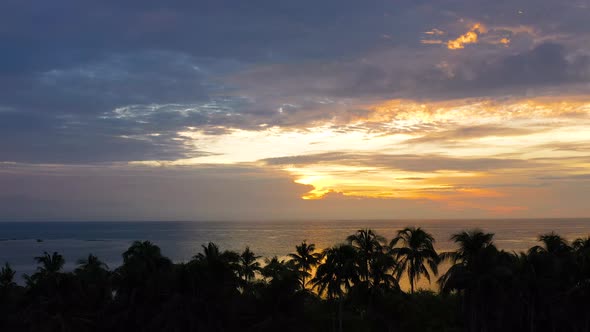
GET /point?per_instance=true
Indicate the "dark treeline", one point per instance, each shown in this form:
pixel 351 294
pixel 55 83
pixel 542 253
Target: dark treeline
pixel 352 286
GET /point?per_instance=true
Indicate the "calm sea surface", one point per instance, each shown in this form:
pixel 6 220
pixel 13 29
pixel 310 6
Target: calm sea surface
pixel 182 240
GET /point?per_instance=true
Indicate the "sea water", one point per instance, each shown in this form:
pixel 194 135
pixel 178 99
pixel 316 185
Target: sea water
pixel 20 242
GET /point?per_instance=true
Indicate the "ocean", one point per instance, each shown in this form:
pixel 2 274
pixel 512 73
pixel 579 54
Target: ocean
pixel 20 242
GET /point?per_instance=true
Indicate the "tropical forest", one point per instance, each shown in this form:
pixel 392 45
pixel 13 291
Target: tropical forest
pixel 365 283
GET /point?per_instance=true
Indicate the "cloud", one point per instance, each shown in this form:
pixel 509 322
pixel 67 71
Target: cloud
pixel 435 32
pixel 545 69
pixel 431 41
pixel 58 192
pixel 70 114
pixel 546 66
pixel 572 177
pixel 567 146
pixel 470 132
pixel 470 37
pixel 413 163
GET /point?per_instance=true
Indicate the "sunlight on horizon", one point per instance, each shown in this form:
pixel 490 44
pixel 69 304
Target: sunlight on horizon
pixel 403 149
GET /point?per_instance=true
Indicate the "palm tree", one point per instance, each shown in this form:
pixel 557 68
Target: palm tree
pixel 305 259
pixel 50 263
pixel 7 277
pixel 415 254
pixel 382 267
pixel 210 252
pixel 477 273
pixel 48 273
pixel 144 268
pixel 337 274
pixel 220 261
pixel 276 269
pixel 470 245
pixel 249 265
pixel 368 244
pixel 91 264
pixel 95 281
pixel 581 248
pixel 141 261
pixel 558 259
pixel 552 244
pixel 581 243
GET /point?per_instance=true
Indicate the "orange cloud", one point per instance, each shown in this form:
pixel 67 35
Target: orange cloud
pixel 499 41
pixel 470 37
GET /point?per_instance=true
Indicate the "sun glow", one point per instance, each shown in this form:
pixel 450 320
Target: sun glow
pixel 451 151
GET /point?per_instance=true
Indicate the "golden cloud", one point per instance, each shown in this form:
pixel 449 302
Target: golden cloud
pixel 470 37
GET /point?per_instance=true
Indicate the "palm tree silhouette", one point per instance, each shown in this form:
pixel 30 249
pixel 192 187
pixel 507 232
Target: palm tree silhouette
pixel 415 254
pixel 142 271
pixel 7 277
pixel 220 261
pixel 305 258
pixel 276 269
pixel 581 247
pixel 368 244
pixel 470 245
pixel 210 252
pixel 91 264
pixel 382 267
pixel 50 263
pixel 337 274
pixel 249 265
pixel 94 282
pixel 477 272
pixel 582 243
pixel 552 244
pixel 48 276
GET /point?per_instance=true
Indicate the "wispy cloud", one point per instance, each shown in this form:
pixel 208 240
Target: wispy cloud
pixel 435 32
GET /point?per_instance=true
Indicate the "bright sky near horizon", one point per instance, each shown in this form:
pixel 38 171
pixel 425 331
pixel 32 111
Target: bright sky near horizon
pixel 235 110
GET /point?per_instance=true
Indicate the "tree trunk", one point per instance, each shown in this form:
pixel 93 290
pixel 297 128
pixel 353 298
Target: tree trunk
pixel 532 317
pixel 334 321
pixel 340 314
pixel 471 306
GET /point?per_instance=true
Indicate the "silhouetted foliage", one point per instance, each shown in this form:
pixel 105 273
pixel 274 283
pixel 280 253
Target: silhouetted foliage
pixel 305 259
pixel 354 286
pixel 414 250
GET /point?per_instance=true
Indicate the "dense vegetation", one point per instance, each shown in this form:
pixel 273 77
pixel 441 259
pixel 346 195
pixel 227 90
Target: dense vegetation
pixel 349 287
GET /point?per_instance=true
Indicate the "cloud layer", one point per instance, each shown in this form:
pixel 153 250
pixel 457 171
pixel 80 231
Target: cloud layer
pixel 441 103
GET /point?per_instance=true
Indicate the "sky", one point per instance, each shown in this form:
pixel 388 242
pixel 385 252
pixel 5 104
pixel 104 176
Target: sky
pixel 265 110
